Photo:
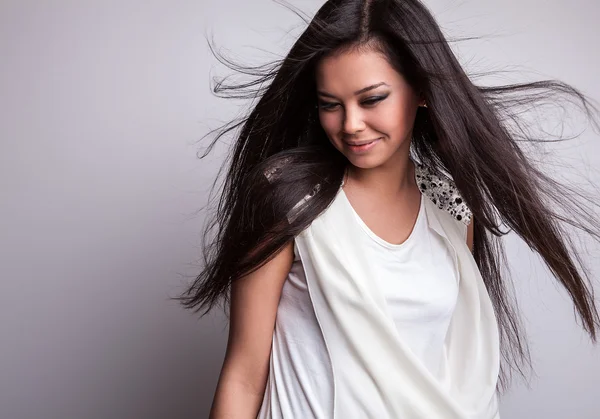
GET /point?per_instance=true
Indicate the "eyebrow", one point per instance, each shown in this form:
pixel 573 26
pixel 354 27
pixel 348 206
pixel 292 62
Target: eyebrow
pixel 358 92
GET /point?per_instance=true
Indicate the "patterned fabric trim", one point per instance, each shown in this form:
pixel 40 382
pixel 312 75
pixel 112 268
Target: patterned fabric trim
pixel 443 193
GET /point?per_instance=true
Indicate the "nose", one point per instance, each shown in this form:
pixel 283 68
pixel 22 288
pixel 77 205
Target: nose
pixel 353 121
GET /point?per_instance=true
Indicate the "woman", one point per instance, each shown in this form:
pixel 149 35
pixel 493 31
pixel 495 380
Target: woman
pixel 358 234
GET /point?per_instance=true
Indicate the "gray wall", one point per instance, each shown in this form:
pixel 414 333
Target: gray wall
pixel 101 106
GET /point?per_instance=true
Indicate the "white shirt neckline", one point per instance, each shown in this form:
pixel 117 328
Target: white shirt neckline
pixel 375 237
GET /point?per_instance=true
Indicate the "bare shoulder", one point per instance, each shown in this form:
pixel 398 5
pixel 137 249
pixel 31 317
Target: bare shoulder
pixel 273 271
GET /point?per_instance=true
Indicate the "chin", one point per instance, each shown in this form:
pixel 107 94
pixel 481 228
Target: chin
pixel 366 161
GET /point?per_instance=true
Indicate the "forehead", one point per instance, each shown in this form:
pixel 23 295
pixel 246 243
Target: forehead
pixel 352 70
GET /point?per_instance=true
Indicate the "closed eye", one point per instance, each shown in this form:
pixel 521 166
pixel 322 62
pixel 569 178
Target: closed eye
pixel 327 105
pixel 367 102
pixel 373 100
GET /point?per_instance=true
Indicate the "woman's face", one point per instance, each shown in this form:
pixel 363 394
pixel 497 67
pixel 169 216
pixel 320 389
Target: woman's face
pixel 366 108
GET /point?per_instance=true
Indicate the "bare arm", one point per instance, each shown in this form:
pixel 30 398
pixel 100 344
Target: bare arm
pixel 254 302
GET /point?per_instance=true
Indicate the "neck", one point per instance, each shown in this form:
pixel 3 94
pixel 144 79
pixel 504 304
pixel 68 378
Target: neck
pixel 392 179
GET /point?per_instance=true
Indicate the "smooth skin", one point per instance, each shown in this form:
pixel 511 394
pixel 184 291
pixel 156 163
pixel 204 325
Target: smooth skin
pixel 254 302
pixel 361 97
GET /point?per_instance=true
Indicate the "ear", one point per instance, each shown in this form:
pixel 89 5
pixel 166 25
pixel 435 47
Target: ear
pixel 422 101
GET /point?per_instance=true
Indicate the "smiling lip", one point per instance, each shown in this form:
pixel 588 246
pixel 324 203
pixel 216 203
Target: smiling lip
pixel 363 143
pixel 364 147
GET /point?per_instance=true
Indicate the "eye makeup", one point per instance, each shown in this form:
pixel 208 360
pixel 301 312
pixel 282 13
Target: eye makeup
pixel 369 101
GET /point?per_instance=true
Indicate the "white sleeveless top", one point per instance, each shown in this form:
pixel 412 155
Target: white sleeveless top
pixel 420 284
pixel 345 344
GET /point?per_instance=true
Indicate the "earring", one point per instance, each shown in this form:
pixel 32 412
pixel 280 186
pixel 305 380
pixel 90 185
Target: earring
pixel 424 105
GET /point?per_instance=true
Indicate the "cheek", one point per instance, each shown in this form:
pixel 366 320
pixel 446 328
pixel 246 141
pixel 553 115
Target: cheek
pixel 331 123
pixel 394 119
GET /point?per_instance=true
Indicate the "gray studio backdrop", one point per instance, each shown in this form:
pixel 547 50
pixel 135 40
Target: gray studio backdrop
pixel 101 105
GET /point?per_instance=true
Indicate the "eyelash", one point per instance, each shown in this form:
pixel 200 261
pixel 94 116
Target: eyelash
pixel 369 102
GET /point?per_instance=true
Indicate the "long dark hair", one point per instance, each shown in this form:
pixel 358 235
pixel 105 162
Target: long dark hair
pixel 471 133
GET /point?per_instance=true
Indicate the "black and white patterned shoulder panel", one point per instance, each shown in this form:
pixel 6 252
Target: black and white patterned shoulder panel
pixel 443 192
